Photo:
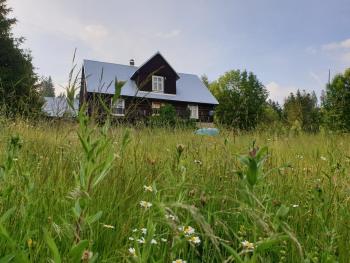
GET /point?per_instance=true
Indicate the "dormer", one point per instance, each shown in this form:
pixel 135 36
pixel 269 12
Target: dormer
pixel 156 75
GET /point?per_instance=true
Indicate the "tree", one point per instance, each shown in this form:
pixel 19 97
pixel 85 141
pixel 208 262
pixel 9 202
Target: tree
pixel 241 97
pixel 205 80
pixel 301 110
pixel 272 113
pixel 18 92
pixel 336 102
pixel 46 87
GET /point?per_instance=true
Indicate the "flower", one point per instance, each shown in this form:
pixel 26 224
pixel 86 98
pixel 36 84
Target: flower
pixel 141 240
pixel 179 261
pixel 144 231
pixel 132 251
pixel 148 188
pixel 154 242
pixel 86 256
pixel 198 162
pixel 195 240
pixel 134 230
pixel 145 204
pixel 188 230
pixel 247 246
pixel 295 206
pixel 323 158
pixel 108 226
pixel 172 217
pixel 131 238
pixel 163 240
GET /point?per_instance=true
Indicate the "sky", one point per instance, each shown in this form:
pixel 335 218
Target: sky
pixel 288 44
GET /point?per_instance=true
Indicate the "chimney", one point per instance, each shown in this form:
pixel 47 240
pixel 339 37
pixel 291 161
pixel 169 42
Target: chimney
pixel 132 62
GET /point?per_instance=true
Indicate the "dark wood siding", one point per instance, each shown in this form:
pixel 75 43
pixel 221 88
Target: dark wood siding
pixel 156 66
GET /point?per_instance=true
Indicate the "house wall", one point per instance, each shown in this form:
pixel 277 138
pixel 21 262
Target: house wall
pixel 156 66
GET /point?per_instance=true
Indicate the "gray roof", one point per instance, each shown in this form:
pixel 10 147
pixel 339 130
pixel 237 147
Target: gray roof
pixel 100 78
pixel 58 107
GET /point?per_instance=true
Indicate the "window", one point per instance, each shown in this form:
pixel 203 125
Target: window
pixel 156 107
pixel 157 84
pixel 193 111
pixel 118 107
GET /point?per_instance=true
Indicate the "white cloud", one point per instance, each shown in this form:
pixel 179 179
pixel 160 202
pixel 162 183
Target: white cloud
pixel 167 35
pixel 345 57
pixel 317 78
pixel 94 33
pixel 345 44
pixel 278 92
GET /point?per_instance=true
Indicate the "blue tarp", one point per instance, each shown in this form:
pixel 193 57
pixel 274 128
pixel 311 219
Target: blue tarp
pixel 207 131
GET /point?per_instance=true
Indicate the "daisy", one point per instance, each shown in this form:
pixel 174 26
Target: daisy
pixel 145 204
pixel 247 246
pixel 132 251
pixel 195 240
pixel 144 231
pixel 148 188
pixel 188 230
pixel 179 261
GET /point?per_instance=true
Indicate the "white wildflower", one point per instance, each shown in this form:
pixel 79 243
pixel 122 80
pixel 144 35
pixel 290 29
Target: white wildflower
pixel 295 206
pixel 131 238
pixel 145 204
pixel 247 246
pixel 132 251
pixel 323 158
pixel 179 261
pixel 154 242
pixel 172 217
pixel 188 230
pixel 195 240
pixel 163 240
pixel 144 231
pixel 141 240
pixel 134 230
pixel 148 188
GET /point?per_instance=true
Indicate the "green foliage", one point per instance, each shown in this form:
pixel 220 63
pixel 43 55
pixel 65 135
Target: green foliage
pixel 241 98
pixel 46 88
pixel 301 109
pixel 18 92
pixel 336 101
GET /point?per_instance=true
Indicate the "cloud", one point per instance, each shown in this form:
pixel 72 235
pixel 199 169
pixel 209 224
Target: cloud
pixel 317 78
pixel 94 33
pixel 278 92
pixel 167 35
pixel 345 57
pixel 345 44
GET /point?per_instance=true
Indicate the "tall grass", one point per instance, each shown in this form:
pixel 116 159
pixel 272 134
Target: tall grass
pixel 297 209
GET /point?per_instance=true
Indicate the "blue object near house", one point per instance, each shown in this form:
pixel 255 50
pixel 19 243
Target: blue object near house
pixel 207 131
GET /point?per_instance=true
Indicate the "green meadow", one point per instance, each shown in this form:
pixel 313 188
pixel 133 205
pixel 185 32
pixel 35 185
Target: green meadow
pixel 73 192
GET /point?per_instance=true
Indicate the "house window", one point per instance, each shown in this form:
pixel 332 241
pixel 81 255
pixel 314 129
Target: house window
pixel 118 107
pixel 156 108
pixel 157 84
pixel 193 111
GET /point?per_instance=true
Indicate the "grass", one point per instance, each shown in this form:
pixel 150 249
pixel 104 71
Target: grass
pixel 297 211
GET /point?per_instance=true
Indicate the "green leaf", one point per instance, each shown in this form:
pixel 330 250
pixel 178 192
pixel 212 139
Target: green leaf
pixel 52 246
pixel 77 251
pixel 7 258
pixel 92 219
pixel 94 258
pixel 282 211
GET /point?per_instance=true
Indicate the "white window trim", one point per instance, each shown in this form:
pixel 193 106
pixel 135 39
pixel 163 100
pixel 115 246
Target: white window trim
pixel 196 117
pixel 122 101
pixel 158 82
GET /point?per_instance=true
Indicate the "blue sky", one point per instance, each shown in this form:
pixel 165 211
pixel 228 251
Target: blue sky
pixel 289 45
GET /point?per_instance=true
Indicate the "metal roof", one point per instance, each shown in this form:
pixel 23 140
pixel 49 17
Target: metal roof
pixel 58 106
pixel 100 78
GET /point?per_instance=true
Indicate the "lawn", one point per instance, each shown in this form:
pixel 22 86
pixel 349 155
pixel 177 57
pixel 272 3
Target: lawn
pixel 73 193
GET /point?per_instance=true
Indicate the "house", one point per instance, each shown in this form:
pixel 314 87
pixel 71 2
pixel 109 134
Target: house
pixel 145 89
pixel 58 107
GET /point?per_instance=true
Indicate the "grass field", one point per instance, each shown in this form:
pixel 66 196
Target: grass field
pixel 161 195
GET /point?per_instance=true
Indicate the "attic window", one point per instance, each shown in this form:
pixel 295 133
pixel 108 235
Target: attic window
pixel 157 84
pixel 118 107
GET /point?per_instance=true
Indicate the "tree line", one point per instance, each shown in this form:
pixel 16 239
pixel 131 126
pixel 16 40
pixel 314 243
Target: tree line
pixel 243 104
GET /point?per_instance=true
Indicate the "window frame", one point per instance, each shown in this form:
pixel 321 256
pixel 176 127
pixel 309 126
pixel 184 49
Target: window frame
pixel 158 84
pixel 118 104
pixel 196 115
